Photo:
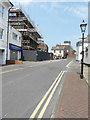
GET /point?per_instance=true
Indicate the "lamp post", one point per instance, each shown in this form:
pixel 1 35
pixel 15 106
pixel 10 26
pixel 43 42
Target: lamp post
pixel 83 28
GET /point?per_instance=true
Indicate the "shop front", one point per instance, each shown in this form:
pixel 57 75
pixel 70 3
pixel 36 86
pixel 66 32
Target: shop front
pixel 14 52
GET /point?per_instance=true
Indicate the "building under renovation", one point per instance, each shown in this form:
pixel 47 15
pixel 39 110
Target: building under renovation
pixel 22 22
pixel 42 46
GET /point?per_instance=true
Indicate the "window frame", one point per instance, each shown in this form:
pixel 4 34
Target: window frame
pixel 2 11
pixel 14 36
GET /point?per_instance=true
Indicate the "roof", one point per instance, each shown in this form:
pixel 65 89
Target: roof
pixel 10 3
pixel 58 48
pixel 62 44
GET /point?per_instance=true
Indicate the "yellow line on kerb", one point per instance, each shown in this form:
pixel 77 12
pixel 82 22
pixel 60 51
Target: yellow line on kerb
pixel 43 99
pixel 49 98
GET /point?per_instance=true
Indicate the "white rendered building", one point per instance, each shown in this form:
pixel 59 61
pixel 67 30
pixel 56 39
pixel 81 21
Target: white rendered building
pixel 14 44
pixel 79 50
pixel 4 7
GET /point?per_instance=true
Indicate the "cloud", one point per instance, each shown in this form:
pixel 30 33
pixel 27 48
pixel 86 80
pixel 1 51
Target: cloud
pixel 52 11
pixel 80 11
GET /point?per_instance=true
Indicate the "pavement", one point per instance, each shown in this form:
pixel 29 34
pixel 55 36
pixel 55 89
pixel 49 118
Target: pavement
pixel 73 100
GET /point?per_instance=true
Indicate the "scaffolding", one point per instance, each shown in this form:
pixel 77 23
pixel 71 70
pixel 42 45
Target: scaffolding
pixel 21 21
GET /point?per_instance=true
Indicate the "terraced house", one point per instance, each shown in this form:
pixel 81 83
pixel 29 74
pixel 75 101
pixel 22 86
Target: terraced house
pixel 4 6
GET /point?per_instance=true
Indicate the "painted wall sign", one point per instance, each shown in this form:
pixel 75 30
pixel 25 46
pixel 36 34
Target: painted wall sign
pixel 14 47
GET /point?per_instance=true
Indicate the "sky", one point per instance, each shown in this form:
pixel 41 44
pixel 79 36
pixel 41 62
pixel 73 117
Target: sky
pixel 57 21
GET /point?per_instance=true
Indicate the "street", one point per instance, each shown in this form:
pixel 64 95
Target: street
pixel 31 90
pixel 44 59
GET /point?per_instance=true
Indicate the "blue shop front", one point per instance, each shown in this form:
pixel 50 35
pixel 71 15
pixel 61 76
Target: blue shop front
pixel 14 52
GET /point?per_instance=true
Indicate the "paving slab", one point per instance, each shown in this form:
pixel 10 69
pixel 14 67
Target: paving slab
pixel 73 101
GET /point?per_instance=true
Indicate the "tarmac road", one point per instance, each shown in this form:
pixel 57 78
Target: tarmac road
pixel 31 90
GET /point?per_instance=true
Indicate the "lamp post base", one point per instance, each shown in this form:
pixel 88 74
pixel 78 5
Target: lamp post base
pixel 81 76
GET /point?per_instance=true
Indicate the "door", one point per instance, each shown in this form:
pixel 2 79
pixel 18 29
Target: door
pixel 1 57
pixel 13 55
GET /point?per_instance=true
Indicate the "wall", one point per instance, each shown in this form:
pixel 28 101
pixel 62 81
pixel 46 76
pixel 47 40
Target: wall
pixel 87 66
pixel 71 53
pixel 79 50
pixel 37 55
pixel 87 55
pixel 57 53
pixel 87 73
pixel 30 55
pixel 14 42
pixel 87 60
pixel 4 25
pixel 44 56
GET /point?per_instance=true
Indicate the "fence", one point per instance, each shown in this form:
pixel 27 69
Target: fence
pixel 37 55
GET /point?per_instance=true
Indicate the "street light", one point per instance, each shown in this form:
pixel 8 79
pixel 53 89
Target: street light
pixel 83 28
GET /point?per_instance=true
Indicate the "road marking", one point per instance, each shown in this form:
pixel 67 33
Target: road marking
pixel 43 99
pixel 69 64
pixel 10 70
pixel 18 69
pixel 49 98
pixel 23 68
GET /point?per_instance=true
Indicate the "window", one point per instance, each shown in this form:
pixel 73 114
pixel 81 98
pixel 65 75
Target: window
pixel 60 51
pixel 14 36
pixel 12 14
pixel 1 11
pixel 19 39
pixel 1 33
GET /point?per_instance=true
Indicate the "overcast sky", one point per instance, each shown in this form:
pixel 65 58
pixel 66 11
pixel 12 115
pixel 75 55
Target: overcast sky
pixel 57 21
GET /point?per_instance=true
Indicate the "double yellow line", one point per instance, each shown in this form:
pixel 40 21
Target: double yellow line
pixel 52 90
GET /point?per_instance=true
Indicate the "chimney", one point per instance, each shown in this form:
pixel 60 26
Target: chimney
pixel 68 42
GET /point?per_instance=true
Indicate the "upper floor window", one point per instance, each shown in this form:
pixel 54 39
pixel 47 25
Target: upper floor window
pixel 19 39
pixel 1 11
pixel 12 14
pixel 14 36
pixel 1 33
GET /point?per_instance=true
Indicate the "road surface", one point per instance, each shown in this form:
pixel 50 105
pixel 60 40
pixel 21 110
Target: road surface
pixel 31 90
